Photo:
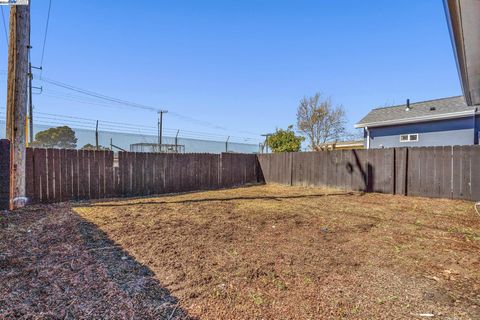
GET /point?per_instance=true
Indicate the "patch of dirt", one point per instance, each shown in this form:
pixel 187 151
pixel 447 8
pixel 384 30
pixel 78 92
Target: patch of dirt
pixel 262 252
pixel 55 265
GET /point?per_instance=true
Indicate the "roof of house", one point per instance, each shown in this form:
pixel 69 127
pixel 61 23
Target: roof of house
pixel 431 110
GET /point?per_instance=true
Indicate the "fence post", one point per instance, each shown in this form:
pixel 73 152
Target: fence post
pixel 405 188
pixel 394 172
pixel 4 174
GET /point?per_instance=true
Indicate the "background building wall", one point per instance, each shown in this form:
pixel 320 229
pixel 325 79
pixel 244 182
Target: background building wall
pixel 435 133
pixel 123 140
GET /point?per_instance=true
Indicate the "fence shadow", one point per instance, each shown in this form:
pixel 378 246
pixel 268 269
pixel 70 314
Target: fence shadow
pixel 71 269
pixel 122 202
pixel 136 280
pixel 367 175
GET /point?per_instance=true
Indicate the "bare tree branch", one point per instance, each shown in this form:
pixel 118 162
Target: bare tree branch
pixel 320 121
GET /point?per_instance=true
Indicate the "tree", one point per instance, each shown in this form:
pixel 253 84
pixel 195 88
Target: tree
pixel 90 146
pixel 285 141
pixel 320 121
pixel 60 137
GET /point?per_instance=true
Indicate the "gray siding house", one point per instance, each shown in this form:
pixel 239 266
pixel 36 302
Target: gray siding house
pixel 440 122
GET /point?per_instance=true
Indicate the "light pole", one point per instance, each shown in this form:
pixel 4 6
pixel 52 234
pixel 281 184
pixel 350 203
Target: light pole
pixel 266 135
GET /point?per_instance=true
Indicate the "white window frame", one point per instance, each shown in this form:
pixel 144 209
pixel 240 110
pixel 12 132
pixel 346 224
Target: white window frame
pixel 409 137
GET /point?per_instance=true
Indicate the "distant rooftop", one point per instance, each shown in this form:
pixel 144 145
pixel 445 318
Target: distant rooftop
pixel 431 110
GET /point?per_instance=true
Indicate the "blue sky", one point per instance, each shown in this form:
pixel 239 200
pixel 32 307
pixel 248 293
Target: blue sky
pixel 242 65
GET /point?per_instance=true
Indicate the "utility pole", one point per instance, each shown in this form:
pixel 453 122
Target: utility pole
pixel 30 101
pixel 96 135
pixel 267 135
pixel 30 96
pixel 17 101
pixel 226 144
pixel 160 129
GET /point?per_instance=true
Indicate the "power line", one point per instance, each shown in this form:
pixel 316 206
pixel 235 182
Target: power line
pixel 45 36
pixel 120 127
pixel 98 95
pixel 135 105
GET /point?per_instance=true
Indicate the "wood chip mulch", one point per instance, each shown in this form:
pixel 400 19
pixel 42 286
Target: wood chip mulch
pixel 55 265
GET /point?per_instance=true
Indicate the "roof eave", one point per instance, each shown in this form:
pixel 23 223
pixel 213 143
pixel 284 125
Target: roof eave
pixel 464 23
pixel 452 115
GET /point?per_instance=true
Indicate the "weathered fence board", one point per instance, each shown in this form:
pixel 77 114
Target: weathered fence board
pixel 5 175
pixel 55 175
pixel 29 182
pixel 145 174
pixel 60 175
pixel 443 172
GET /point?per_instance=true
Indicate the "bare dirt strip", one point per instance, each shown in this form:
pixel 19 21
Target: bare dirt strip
pixel 262 252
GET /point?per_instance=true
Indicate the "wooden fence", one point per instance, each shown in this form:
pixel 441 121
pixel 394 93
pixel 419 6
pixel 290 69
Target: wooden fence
pixel 157 173
pixel 55 175
pixel 443 172
pixel 4 174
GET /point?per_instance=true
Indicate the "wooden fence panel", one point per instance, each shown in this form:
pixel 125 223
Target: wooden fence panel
pixel 428 172
pixel 50 180
pixel 341 174
pixel 448 172
pixel 69 173
pixel 57 188
pixel 379 179
pixel 461 172
pixel 129 174
pixel 124 172
pixel 475 174
pixel 100 158
pixel 323 167
pixel 413 173
pixel 168 185
pixel 226 174
pixel 359 163
pixel 279 167
pixel 441 184
pixel 94 175
pixel 312 169
pixel 41 175
pixel 5 175
pixel 401 155
pixel 421 170
pixel 137 173
pixel 82 175
pixel 109 175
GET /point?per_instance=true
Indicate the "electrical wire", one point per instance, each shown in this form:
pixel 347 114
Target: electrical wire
pixel 135 105
pixel 45 36
pixel 120 127
pixel 98 95
pixel 5 27
pixel 134 126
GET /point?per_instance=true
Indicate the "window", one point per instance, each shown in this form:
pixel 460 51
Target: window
pixel 404 138
pixel 409 137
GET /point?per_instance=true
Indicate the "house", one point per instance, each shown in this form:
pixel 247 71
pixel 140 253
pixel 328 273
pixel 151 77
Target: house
pixel 343 145
pixel 440 122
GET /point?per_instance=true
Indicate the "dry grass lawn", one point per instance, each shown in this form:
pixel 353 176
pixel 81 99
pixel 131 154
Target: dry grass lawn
pixel 264 252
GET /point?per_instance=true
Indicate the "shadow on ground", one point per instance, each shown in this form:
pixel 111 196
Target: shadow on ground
pixel 123 203
pixel 56 265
